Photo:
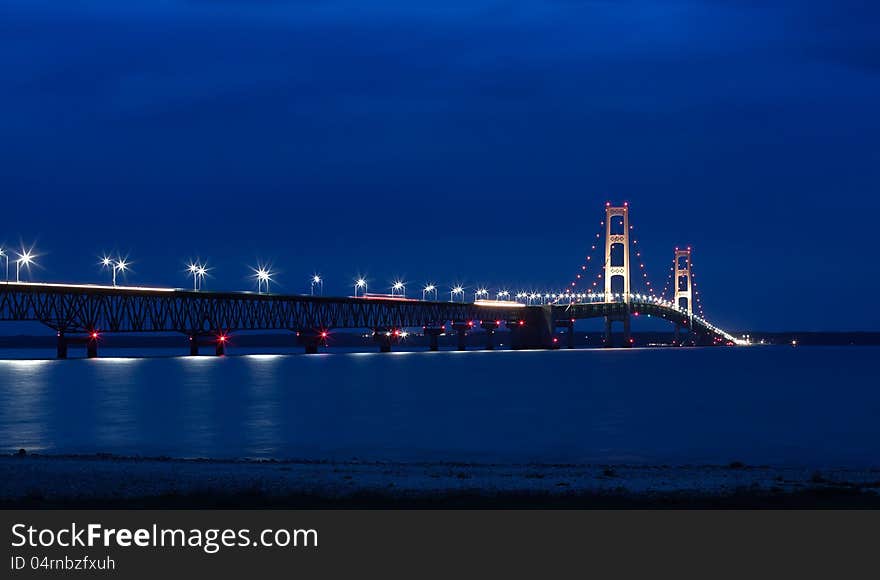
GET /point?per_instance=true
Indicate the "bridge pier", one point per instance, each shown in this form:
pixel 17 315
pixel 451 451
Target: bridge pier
pixel 568 325
pixel 461 329
pixel 433 333
pixel 193 345
pixel 385 338
pixel 62 346
pixel 220 348
pixel 534 330
pixel 92 345
pixel 490 326
pixel 312 340
pixel 627 329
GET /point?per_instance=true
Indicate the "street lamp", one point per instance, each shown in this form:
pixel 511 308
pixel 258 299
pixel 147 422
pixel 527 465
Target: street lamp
pixel 398 289
pixel 263 276
pixel 118 265
pixel 317 281
pixel 198 271
pixel 360 283
pixel 454 291
pixel 502 294
pixel 480 292
pixel 4 255
pixel 429 289
pixel 26 258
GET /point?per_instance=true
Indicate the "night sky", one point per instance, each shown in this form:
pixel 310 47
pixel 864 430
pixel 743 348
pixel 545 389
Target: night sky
pixel 450 141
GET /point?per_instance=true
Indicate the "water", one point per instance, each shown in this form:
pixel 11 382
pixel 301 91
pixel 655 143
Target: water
pixel 773 405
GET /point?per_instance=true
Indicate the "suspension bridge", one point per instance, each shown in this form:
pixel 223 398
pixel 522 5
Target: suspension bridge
pixel 82 313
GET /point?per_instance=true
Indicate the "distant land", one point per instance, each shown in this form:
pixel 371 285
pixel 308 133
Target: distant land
pixel 475 339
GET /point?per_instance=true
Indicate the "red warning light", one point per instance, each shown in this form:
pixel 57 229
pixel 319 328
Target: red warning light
pixel 522 322
pixel 222 338
pixel 94 334
pixel 324 334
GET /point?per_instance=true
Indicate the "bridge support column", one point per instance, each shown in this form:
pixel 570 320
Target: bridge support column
pixel 490 326
pixel 312 340
pixel 385 338
pixel 568 325
pixel 92 346
pixel 619 314
pixel 433 333
pixel 220 348
pixel 62 346
pixel 534 330
pixel 193 345
pixel 461 329
pixel 607 343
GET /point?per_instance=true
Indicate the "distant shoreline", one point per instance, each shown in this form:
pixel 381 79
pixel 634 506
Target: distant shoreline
pixel 96 481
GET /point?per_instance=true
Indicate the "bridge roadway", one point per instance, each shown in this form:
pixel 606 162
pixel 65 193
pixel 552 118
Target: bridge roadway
pixel 79 312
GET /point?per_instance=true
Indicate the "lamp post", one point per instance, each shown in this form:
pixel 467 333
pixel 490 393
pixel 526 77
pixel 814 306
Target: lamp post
pixel 25 258
pixel 263 276
pixel 428 290
pixel 360 283
pixel 317 281
pixel 4 255
pixel 193 270
pixel 398 289
pixel 480 292
pixel 198 271
pixel 456 290
pixel 118 265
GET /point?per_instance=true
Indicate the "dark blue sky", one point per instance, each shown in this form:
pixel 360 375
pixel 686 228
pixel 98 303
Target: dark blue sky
pixel 445 141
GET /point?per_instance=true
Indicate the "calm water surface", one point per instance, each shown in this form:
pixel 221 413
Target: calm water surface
pixel 787 406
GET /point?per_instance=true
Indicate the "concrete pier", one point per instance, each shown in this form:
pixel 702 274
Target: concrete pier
pixel 461 328
pixel 433 333
pixel 385 338
pixel 62 346
pixel 92 345
pixel 490 326
pixel 311 340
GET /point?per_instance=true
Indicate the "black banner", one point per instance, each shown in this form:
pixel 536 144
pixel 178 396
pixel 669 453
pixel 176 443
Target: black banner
pixel 407 544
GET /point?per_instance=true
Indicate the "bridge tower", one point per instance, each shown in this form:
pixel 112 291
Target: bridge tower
pixel 683 297
pixel 683 287
pixel 616 260
pixel 617 267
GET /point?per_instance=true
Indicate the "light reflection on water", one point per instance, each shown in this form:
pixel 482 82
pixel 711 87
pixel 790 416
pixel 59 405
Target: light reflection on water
pixel 805 406
pixel 23 389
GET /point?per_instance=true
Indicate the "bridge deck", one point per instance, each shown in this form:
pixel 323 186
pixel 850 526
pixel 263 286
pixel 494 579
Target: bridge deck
pixel 81 308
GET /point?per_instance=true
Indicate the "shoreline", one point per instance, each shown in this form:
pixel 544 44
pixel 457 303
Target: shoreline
pixel 109 481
